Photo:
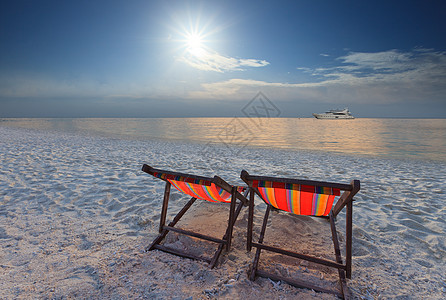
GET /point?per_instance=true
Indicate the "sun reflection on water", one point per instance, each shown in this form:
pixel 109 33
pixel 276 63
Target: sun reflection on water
pixel 395 138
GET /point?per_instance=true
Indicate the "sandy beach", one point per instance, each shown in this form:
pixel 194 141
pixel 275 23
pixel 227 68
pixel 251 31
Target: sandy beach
pixel 76 213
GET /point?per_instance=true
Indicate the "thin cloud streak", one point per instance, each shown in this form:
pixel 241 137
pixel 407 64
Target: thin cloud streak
pixel 209 60
pixel 383 77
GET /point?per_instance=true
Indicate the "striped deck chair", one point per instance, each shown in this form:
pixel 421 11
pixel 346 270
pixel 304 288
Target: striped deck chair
pixel 309 198
pixel 198 187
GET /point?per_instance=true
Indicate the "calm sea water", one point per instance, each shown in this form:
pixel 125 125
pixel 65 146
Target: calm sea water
pixel 392 138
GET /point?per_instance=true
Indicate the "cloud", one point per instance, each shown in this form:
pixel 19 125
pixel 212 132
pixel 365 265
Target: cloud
pixel 242 89
pixel 381 77
pixel 391 76
pixel 209 60
pixel 387 60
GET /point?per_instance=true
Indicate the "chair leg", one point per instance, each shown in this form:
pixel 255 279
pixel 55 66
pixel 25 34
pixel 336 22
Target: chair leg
pixel 231 219
pixel 250 219
pixel 344 291
pixel 262 236
pixel 348 255
pixel 163 231
pixel 216 256
pixel 255 264
pixel 165 204
pixel 225 237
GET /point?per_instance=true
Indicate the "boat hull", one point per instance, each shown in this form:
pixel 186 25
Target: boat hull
pixel 332 117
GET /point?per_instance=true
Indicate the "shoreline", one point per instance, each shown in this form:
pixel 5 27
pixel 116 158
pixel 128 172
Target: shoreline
pixel 369 138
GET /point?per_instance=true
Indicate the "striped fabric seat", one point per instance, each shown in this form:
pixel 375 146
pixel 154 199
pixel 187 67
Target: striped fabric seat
pixel 298 199
pixel 213 189
pixel 197 188
pixel 302 197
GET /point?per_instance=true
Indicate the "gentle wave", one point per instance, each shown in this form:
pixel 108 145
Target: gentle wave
pixel 392 138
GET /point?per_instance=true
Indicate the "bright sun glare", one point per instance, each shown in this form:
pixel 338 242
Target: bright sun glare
pixel 195 44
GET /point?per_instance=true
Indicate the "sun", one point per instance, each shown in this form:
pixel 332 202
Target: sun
pixel 194 40
pixel 195 44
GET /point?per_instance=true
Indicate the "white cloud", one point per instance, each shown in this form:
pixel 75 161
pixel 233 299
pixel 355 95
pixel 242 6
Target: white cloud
pixel 242 89
pixel 209 60
pixel 392 59
pixel 382 77
pixel 392 64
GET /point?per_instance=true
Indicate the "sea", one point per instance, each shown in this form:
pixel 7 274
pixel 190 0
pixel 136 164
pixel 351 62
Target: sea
pixel 420 139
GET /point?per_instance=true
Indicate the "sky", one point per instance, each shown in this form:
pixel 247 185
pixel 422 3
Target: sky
pixel 135 58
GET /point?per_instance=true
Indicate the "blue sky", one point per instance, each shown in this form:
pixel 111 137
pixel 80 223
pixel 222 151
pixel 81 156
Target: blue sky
pixel 210 58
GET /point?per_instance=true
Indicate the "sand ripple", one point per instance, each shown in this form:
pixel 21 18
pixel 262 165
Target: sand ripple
pixel 76 209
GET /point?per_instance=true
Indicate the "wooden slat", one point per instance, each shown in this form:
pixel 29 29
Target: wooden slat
pixel 297 283
pixel 300 256
pixel 194 234
pixel 148 169
pixel 181 253
pixel 249 178
pixel 218 181
pixel 346 197
pixel 222 183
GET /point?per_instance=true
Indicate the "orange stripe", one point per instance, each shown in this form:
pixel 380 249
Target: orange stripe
pixel 295 199
pixel 191 189
pixel 322 204
pixel 210 193
pixel 306 203
pixel 281 199
pixel 182 187
pixel 198 189
pixel 216 191
pixel 271 197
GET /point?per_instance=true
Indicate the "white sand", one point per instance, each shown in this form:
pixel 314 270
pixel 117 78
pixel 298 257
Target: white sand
pixel 76 214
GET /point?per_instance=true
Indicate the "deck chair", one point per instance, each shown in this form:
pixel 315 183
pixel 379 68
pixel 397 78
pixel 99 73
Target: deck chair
pixel 198 187
pixel 309 198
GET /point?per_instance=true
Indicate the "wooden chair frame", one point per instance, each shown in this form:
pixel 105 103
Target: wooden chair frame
pixel 164 229
pixel 345 200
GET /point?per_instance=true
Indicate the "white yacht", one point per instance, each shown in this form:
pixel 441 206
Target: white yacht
pixel 335 114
